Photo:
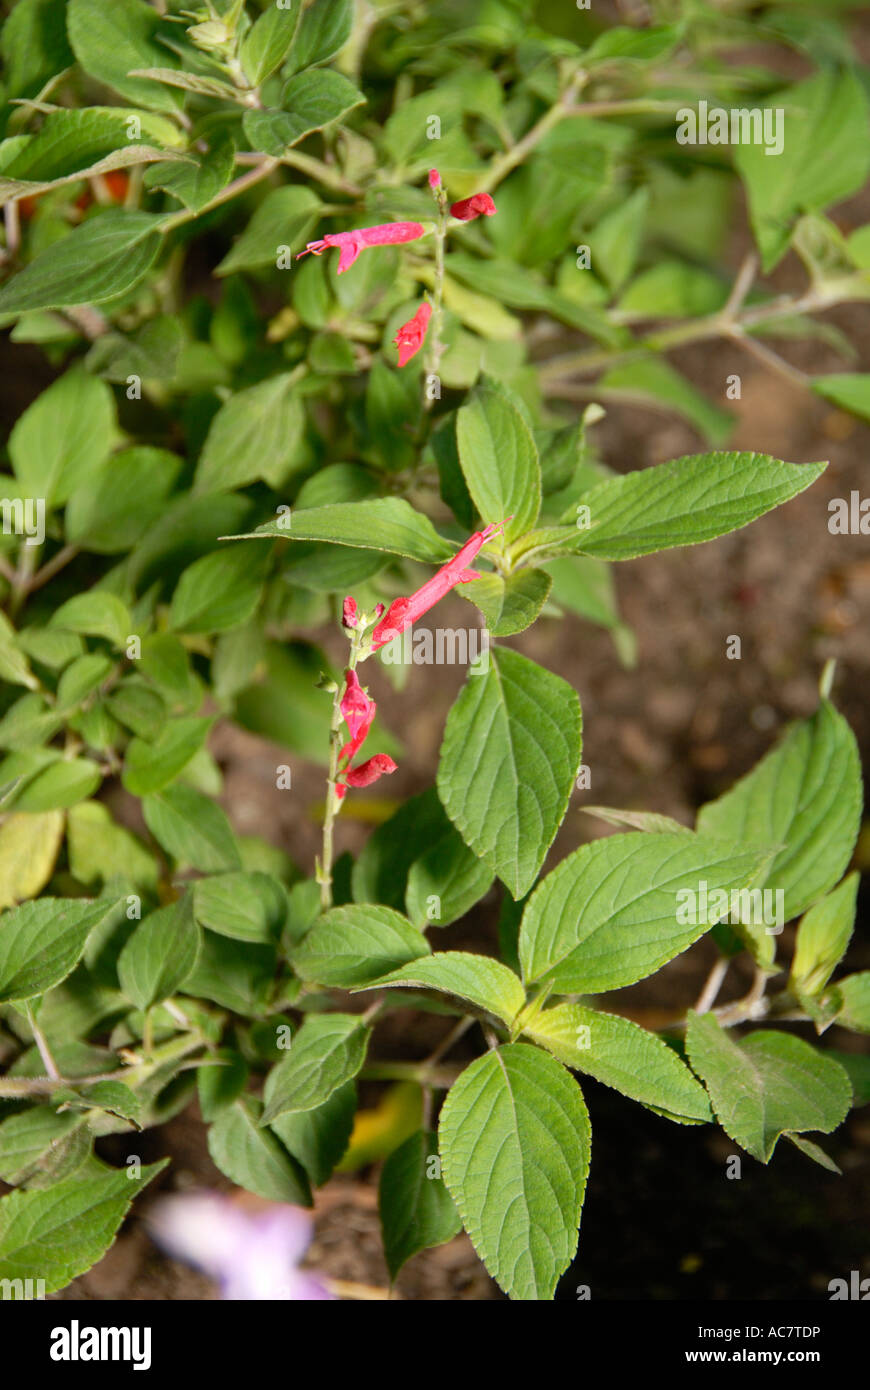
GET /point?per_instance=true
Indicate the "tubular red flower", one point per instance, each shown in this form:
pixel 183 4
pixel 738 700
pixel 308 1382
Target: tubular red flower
pixel 370 771
pixel 358 712
pixel 478 205
pixel 351 243
pixel 348 613
pixel 411 335
pixel 402 612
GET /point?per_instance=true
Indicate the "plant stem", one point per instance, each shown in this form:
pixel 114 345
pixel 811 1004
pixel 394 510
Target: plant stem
pixel 48 1061
pixel 21 1087
pixel 307 164
pixel 266 166
pixel 553 374
pixel 712 986
pixel 53 567
pixel 505 163
pixel 434 342
pixel 752 1005
pixel 440 1077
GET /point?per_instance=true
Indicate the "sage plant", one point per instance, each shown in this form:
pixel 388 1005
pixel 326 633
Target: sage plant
pixel 331 299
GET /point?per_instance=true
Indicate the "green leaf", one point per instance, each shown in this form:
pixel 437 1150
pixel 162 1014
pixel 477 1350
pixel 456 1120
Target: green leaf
pixel 849 390
pixel 151 352
pixel 29 1139
pixel 824 158
pixel 81 678
pixel 29 846
pixel 266 43
pixel 114 1097
pixel 311 100
pixel 195 182
pixel 14 666
pixel 673 289
pixel 61 785
pixel 74 144
pixel 115 503
pixel 96 614
pixel 30 721
pixel 417 1211
pixel 509 603
pixel 111 40
pixel 41 943
pixel 34 45
pixel 284 218
pixel 515 1140
pixel 518 288
pixel 804 795
pixel 104 257
pixel 63 437
pixel 857 1067
pixel 686 501
pixel 655 383
pixel 237 975
pixel 160 954
pixel 616 240
pixel 324 28
pixel 814 1152
pixel 499 460
pixel 635 820
pixel 416 854
pixel 854 991
pixel 485 983
pixel 257 433
pixel 98 849
pixel 508 761
pixel 253 1158
pixel 766 1085
pixel 318 1138
pixel 221 590
pixel 191 828
pixel 58 1233
pixel 328 1051
pixel 219 1085
pixel 244 906
pixel 610 914
pixel 383 523
pixel 822 937
pixel 356 944
pixel 623 1055
pixel 149 767
pixel 445 881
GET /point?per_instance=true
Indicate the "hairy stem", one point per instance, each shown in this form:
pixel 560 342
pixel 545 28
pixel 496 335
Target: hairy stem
pixel 22 1087
pixel 435 343
pixel 555 374
pixel 266 166
pixel 440 1077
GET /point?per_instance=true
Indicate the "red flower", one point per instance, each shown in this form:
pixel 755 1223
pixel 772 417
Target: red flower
pixel 410 336
pixel 479 204
pixel 351 243
pixel 434 180
pixel 402 612
pixel 348 613
pixel 369 772
pixel 358 712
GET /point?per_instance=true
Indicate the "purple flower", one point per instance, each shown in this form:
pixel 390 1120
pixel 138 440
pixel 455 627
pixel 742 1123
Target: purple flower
pixel 252 1253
